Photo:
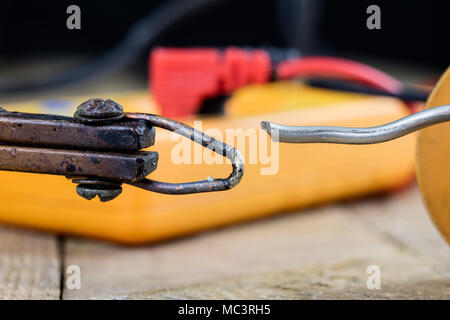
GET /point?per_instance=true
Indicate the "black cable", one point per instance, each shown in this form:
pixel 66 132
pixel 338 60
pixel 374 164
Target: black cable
pixel 407 94
pixel 139 38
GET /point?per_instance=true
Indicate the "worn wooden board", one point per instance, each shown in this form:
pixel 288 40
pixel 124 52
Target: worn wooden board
pixel 319 253
pixel 29 265
pixel 404 221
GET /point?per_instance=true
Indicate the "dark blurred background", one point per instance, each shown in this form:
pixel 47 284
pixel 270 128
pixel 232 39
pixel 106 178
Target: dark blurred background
pixel 415 32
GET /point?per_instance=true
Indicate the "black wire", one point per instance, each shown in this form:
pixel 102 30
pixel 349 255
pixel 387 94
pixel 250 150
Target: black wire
pixel 140 36
pixel 407 94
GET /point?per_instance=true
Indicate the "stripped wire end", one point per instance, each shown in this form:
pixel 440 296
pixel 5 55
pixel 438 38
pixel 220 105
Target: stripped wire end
pixel 267 127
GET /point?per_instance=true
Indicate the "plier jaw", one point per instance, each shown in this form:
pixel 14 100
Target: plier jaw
pixel 100 148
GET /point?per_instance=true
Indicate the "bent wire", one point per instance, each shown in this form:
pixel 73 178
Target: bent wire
pixel 349 135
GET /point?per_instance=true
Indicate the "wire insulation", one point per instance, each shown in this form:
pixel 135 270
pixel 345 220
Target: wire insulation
pixel 338 68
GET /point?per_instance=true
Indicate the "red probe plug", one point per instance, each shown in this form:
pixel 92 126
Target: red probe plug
pixel 181 79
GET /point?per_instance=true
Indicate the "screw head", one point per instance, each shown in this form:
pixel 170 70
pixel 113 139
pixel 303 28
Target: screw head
pixel 99 110
pixel 104 193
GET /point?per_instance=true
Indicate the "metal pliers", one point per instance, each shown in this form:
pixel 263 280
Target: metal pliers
pixel 100 148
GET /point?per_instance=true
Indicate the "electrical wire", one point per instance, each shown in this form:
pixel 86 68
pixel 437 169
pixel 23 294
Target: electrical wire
pixel 329 68
pixel 348 135
pixel 203 139
pixel 338 68
pixel 140 36
pixel 406 94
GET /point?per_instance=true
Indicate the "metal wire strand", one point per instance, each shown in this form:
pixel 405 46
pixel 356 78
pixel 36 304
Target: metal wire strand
pixel 206 141
pixel 347 135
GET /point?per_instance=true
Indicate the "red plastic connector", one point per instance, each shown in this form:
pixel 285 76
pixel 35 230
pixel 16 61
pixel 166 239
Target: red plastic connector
pixel 182 78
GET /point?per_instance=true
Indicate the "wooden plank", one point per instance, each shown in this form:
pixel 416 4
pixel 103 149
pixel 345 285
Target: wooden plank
pixel 320 253
pixel 403 218
pixel 29 265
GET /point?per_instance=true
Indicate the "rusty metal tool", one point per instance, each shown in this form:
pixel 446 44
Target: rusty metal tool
pixel 100 148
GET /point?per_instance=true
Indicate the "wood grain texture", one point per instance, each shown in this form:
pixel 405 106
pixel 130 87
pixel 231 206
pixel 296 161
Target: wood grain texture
pixel 403 220
pixel 29 265
pixel 320 253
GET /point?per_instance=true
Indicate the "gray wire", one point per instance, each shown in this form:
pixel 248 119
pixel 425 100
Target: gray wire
pixel 348 135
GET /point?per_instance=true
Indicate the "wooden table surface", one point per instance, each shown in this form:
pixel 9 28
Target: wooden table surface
pixel 313 254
